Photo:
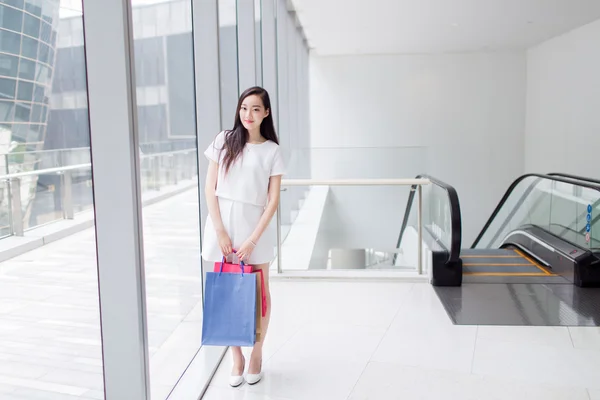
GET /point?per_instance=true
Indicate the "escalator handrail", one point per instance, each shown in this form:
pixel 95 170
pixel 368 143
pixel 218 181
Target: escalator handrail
pixel 558 178
pixel 455 218
pixel 516 208
pixel 577 177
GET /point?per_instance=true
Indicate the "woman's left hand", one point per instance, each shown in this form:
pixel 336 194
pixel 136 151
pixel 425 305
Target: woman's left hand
pixel 246 250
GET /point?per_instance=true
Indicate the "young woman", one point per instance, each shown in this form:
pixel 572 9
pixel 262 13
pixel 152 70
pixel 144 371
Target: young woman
pixel 242 193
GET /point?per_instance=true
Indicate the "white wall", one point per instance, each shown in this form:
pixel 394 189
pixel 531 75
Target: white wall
pixel 457 117
pixel 563 104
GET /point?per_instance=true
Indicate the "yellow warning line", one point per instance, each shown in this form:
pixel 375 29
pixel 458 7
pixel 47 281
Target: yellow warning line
pixel 498 265
pixel 533 262
pixel 507 274
pixel 490 256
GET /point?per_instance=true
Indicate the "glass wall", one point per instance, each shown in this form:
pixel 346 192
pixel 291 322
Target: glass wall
pixel 164 76
pixel 38 77
pixel 56 271
pixel 292 71
pixel 50 341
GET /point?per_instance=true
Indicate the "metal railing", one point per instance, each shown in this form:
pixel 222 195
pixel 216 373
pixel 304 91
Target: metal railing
pixel 170 165
pixel 418 183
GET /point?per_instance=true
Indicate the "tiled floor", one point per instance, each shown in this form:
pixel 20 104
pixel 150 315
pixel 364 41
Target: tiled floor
pixel 50 345
pixel 328 339
pixel 359 340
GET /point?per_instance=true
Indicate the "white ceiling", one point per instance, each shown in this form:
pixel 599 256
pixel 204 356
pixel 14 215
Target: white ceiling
pixel 335 27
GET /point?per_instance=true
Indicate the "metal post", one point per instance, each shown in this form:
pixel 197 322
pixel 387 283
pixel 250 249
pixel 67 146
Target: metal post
pixel 420 228
pixel 67 194
pixel 156 172
pixel 173 169
pixel 279 238
pixel 17 211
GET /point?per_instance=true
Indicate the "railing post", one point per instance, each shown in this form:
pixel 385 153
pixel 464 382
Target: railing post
pixel 17 211
pixel 67 195
pixel 279 238
pixel 173 169
pixel 420 228
pixel 156 172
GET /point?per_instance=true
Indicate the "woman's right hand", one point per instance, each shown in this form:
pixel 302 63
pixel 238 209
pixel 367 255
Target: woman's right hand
pixel 225 243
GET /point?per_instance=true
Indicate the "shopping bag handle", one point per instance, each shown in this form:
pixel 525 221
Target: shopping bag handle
pixel 223 262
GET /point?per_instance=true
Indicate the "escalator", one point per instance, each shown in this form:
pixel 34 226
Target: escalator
pixel 509 261
pixel 545 229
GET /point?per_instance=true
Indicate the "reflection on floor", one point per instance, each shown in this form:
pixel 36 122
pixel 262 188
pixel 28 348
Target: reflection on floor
pixel 521 304
pixel 386 341
pixel 50 344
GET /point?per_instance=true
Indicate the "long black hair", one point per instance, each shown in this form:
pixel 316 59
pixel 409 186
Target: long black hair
pixel 236 138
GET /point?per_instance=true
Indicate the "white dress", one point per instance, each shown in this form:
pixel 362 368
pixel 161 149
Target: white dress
pixel 242 197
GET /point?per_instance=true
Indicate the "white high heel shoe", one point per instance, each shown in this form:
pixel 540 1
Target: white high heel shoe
pixel 253 379
pixel 237 380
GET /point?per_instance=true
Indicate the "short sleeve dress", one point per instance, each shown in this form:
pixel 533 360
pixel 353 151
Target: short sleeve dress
pixel 242 197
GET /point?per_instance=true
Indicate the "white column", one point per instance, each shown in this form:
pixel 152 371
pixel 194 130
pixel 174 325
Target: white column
pixel 208 88
pixel 117 197
pixel 269 52
pixel 207 74
pixel 283 86
pixel 258 41
pixel 246 44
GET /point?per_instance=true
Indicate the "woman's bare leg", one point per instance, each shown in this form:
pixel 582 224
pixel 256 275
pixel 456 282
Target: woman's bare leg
pixel 257 351
pixel 238 361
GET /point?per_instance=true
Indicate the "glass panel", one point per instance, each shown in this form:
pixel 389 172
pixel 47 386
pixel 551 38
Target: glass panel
pixel 228 53
pixel 181 78
pixel 14 3
pixel 68 61
pixel 30 48
pixel 25 91
pixel 46 32
pixel 8 88
pixel 7 108
pixel 560 208
pixel 168 168
pixel 31 26
pixel 9 65
pixel 150 61
pixel 39 93
pixel 11 19
pixel 42 74
pixel 23 114
pixel 10 42
pixel 48 12
pixel 36 113
pixel 44 53
pixel 349 227
pixel 52 322
pixel 504 221
pixel 437 215
pixel 34 7
pixel 27 69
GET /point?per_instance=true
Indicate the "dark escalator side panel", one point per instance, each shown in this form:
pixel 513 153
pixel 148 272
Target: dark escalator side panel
pixel 576 264
pixel 587 273
pixel 444 272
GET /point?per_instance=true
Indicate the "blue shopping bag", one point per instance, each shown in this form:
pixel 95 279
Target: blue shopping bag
pixel 229 317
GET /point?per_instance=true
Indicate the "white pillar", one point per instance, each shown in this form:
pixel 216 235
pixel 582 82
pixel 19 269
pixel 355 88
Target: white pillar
pixel 246 44
pixel 117 197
